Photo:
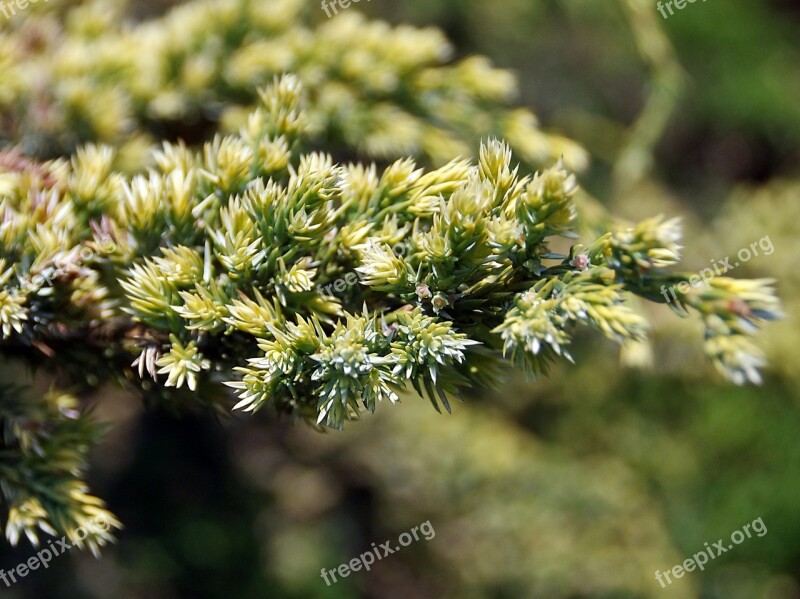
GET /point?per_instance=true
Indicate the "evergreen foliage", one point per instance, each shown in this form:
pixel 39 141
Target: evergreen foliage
pixel 209 269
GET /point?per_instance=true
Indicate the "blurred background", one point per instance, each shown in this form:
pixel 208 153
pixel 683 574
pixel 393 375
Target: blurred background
pixel 580 485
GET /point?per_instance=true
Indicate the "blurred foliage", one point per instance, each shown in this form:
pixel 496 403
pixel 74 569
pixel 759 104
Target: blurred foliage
pixel 590 66
pixel 80 74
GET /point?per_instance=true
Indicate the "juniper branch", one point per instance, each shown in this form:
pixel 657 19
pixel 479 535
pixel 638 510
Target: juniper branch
pixel 210 268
